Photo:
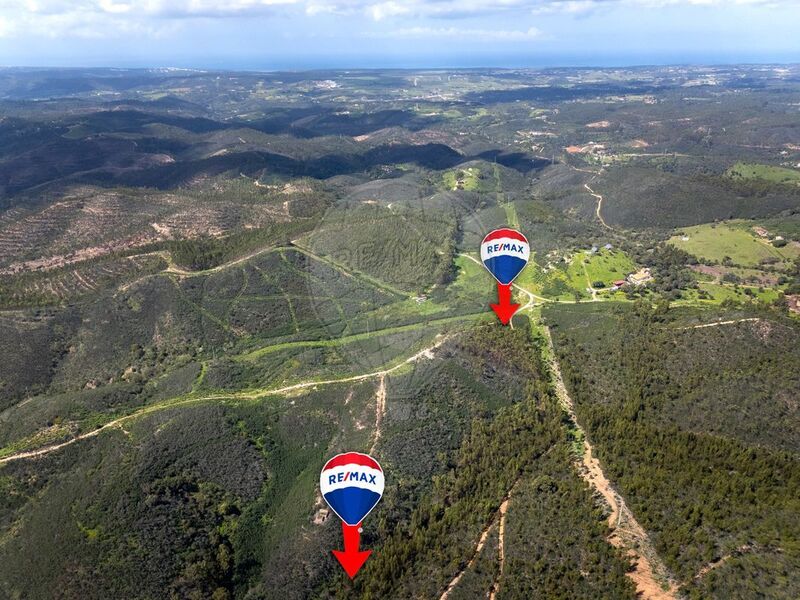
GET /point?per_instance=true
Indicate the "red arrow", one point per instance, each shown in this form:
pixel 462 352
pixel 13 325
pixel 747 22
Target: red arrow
pixel 504 309
pixel 351 559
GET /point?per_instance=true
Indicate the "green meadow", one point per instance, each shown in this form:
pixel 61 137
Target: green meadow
pixel 766 172
pixel 734 240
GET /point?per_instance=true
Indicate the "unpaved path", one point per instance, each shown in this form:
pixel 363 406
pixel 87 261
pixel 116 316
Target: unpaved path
pixel 481 543
pixel 531 296
pixel 597 479
pixel 350 272
pixel 501 516
pixel 589 285
pixel 173 269
pixel 176 270
pixel 591 172
pixel 426 353
pixel 501 548
pixel 648 570
pixel 380 410
pixel 599 205
pixel 110 425
pixel 718 323
pixel 721 561
pixel 53 448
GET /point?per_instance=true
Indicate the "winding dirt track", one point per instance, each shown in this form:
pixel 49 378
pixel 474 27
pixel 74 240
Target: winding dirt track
pixel 722 560
pixel 176 270
pixel 599 205
pixel 589 285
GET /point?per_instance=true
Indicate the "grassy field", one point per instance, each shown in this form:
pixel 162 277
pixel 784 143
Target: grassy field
pixel 472 279
pixel 554 283
pixel 563 281
pixel 606 266
pixel 719 293
pixel 735 240
pixel 577 277
pixel 766 172
pixel 468 179
pixel 511 214
pixel 609 266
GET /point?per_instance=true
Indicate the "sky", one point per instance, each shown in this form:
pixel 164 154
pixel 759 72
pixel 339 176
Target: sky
pixel 303 34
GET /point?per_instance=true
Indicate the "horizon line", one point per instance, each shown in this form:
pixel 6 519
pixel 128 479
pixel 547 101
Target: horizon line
pixel 477 67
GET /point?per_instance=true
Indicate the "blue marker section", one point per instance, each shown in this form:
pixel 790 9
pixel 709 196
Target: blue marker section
pixel 352 503
pixel 504 267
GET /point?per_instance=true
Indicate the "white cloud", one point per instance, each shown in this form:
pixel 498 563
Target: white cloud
pixel 388 9
pixel 208 8
pixel 571 7
pixel 110 7
pixel 479 35
pixel 317 8
pixel 110 18
pixel 5 27
pixel 450 9
pixel 414 18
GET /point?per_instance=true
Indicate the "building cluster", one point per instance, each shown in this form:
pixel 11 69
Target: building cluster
pixel 639 278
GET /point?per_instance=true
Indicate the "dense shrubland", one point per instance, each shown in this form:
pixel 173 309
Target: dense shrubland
pixel 683 422
pixel 406 248
pixel 202 253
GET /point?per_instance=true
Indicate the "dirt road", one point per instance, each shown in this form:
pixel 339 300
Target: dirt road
pixel 176 270
pixel 498 520
pixel 501 548
pixel 380 410
pixel 599 205
pixel 481 543
pixel 718 323
pixel 589 285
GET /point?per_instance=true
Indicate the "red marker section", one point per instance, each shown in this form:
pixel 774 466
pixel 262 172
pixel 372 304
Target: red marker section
pixel 352 484
pixel 504 309
pixel 352 559
pixel 504 253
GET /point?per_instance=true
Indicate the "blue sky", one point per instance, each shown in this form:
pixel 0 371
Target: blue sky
pixel 279 34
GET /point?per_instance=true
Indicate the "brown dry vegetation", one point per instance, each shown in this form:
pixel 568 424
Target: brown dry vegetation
pixel 87 223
